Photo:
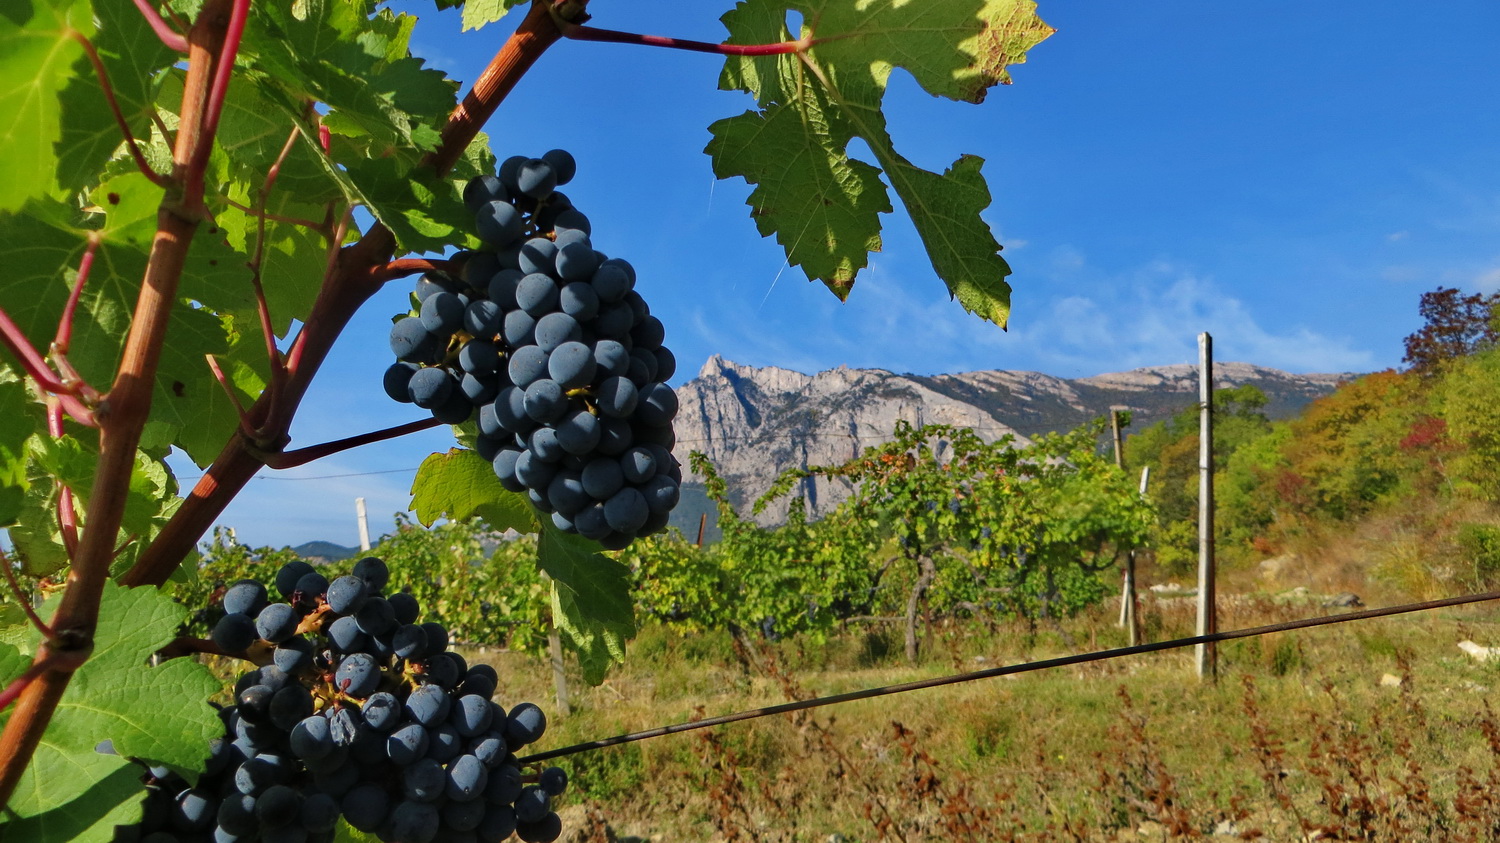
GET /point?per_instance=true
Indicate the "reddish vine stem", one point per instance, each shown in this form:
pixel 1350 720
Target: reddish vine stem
pixel 114 106
pixel 213 366
pixel 22 598
pixel 319 227
pixel 576 32
pixel 352 278
pixel 67 518
pixel 262 308
pixel 63 339
pixel 163 30
pixel 21 683
pixel 303 456
pixel 123 411
pixel 402 267
pixel 36 367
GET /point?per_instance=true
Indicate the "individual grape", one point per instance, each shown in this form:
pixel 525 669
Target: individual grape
pixel 481 190
pixel 463 816
pixel 611 281
pixel 554 780
pixel 538 256
pixel 591 523
pixel 382 711
pixel 614 321
pixel 260 772
pixel 662 494
pixel 528 365
pixel 365 806
pixel 411 342
pixel 519 328
pixel 405 606
pixel 346 594
pixel 544 446
pixel 509 168
pixel 572 219
pixel 502 288
pixel 648 333
pixel 575 261
pixel 533 473
pixel 579 301
pixel 443 313
pixel 484 318
pixel 615 436
pixel 424 780
pixel 544 830
pixel 626 510
pixel 658 405
pixel 536 179
pixel 246 597
pixel 428 705
pixel 532 805
pixel 279 805
pixel 397 381
pixel 489 749
pixel 406 744
pixel 562 163
pixel 579 433
pixel 194 811
pixel 505 469
pixel 289 705
pixel 537 293
pixel 358 675
pixel 432 283
pixel 466 779
pixel 504 785
pixel 556 329
pixel 602 477
pixel 346 636
pixel 409 642
pixel 431 388
pixel 234 633
pixel 638 308
pixel 638 465
pixel 525 724
pixel 277 622
pixel 311 738
pixel 481 673
pixel 237 815
pixel 437 638
pixel 376 617
pixel 642 367
pixel 471 714
pixel 666 363
pixel 571 364
pixel 545 401
pixel 617 397
pixel 478 268
pixel 565 493
pixel 611 358
pixel 498 224
pixel 290 573
pixel 444 744
pixel 320 812
pixel 311 586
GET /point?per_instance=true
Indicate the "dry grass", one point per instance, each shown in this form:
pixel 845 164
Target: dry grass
pixel 1299 738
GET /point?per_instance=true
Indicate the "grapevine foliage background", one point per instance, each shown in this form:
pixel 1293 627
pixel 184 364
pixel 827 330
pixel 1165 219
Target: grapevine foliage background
pixel 238 204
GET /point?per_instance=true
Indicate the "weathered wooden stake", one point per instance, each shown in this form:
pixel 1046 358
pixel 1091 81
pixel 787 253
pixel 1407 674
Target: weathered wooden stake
pixel 1208 621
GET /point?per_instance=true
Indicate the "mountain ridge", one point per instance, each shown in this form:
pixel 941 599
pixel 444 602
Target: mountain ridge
pixel 755 422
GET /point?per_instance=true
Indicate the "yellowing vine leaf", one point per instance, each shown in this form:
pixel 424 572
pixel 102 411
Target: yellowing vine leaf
pixel 822 205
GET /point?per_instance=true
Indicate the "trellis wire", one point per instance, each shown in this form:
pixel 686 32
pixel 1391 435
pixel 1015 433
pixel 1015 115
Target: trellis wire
pixel 1007 670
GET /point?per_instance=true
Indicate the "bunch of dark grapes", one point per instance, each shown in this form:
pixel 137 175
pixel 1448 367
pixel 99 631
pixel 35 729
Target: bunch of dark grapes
pixel 549 339
pixel 362 713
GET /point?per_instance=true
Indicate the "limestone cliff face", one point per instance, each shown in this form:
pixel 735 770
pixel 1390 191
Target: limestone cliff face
pixel 754 423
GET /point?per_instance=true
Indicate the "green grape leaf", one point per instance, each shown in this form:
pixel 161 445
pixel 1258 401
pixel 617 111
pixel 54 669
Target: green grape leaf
pixel 424 212
pixel 19 419
pixel 132 55
pixel 461 484
pixel 160 714
pixel 38 59
pixel 591 602
pixel 479 13
pixel 73 797
pixel 824 207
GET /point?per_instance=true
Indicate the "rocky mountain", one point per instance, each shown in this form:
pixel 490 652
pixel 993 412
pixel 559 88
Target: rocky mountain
pixel 756 422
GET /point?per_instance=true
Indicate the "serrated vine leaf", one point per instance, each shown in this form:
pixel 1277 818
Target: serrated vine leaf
pixel 823 206
pixel 461 484
pixel 591 603
pixel 479 13
pixel 37 61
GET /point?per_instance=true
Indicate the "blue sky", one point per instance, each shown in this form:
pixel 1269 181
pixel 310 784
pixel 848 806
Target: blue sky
pixel 1287 176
